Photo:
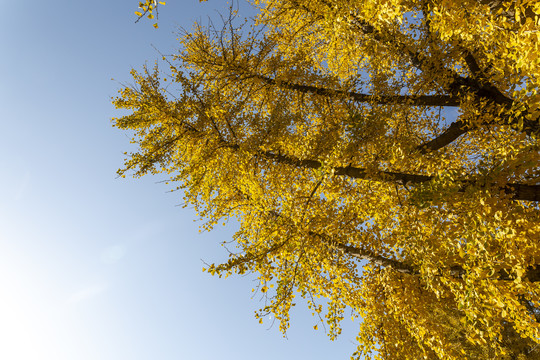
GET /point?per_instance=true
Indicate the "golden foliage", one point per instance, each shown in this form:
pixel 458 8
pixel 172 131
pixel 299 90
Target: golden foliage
pixel 148 8
pixel 379 154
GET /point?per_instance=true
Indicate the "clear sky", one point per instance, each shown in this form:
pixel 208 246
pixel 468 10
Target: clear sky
pixel 93 266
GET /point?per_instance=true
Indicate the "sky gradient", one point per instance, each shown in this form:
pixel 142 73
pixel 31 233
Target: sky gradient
pixel 93 266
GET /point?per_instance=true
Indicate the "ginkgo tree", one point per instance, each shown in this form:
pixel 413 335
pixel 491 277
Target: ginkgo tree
pixel 380 156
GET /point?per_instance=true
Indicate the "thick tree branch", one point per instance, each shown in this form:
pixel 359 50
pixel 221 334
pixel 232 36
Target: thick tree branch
pixel 455 130
pixel 368 255
pixel 518 191
pixel 509 12
pixel 362 254
pixel 424 64
pixel 458 128
pixel 484 89
pixel 458 86
pixel 532 273
pixel 472 64
pixel 413 100
pixel 481 88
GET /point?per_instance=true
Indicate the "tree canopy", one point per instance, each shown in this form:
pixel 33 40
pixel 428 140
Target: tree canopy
pixel 381 158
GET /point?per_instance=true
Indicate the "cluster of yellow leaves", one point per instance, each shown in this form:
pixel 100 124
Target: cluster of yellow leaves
pixel 148 8
pixel 380 155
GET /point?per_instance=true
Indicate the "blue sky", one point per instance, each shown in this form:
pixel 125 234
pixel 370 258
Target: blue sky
pixel 93 266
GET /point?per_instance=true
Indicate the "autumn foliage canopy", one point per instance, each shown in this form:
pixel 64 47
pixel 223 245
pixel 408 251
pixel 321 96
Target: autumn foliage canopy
pixel 380 156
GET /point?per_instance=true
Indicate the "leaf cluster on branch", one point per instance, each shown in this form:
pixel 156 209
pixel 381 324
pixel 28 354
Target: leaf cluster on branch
pixel 147 9
pixel 381 157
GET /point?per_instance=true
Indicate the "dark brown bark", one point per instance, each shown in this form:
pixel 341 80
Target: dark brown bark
pixel 477 85
pixel 532 274
pixel 455 130
pixel 452 132
pixel 497 5
pixel 363 254
pixel 523 191
pixel 458 128
pixel 518 191
pixel 480 85
pixel 412 100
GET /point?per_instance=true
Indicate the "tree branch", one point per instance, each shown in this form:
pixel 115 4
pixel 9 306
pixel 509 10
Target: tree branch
pixel 456 88
pixel 532 273
pixel 413 100
pixel 478 86
pixel 364 254
pixel 518 191
pixel 458 128
pixel 455 130
pixel 509 13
